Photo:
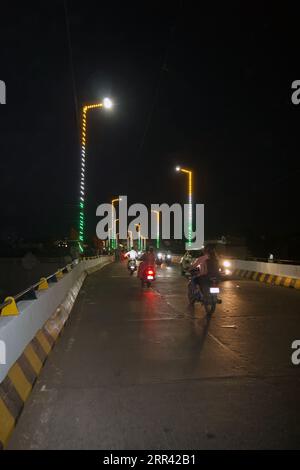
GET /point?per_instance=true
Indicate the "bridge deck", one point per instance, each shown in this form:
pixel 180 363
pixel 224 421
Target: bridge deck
pixel 137 370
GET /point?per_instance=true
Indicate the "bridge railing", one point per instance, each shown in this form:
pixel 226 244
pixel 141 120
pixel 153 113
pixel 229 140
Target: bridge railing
pixel 9 307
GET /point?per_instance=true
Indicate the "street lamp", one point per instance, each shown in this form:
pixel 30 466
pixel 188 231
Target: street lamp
pixel 139 235
pixel 157 236
pixel 112 221
pixel 107 103
pixel 130 238
pixel 190 189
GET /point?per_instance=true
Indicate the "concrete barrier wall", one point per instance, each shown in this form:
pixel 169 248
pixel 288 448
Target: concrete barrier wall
pixel 276 269
pixel 16 332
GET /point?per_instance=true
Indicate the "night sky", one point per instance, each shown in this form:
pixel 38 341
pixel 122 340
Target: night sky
pixel 207 88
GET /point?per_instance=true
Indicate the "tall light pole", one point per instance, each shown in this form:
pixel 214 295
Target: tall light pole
pixel 157 234
pixel 107 103
pixel 190 202
pixel 139 236
pixel 113 227
pixel 130 238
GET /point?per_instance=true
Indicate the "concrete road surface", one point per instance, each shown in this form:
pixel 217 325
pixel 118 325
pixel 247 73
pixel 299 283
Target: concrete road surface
pixel 137 369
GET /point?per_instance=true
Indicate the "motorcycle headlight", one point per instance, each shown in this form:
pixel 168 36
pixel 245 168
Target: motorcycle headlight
pixel 169 256
pixel 226 264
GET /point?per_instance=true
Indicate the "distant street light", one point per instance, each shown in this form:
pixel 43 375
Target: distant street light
pixel 130 240
pixel 190 190
pixel 113 222
pixel 107 103
pixel 139 235
pixel 157 236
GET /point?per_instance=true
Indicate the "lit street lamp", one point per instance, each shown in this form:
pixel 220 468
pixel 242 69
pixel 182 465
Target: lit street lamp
pixel 190 222
pixel 107 103
pixel 157 236
pixel 113 222
pixel 130 240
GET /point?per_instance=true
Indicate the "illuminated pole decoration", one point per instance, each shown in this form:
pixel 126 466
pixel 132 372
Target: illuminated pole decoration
pixel 113 226
pixel 139 236
pixel 157 236
pixel 130 238
pixel 190 202
pixel 107 103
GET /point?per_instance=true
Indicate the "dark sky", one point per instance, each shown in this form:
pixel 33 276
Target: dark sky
pixel 205 87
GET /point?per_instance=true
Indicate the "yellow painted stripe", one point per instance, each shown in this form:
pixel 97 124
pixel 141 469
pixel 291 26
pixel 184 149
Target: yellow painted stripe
pixel 33 359
pixel 262 277
pixel 278 280
pixel 270 280
pixel 287 282
pixel 43 342
pixel 19 381
pixel 255 276
pixel 297 284
pixel 7 423
pixel 53 331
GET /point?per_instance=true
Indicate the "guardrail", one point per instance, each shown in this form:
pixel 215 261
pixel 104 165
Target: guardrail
pixel 9 307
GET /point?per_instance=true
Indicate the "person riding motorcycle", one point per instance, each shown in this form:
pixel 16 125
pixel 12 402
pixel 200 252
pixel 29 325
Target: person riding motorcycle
pixel 132 255
pixel 148 259
pixel 186 261
pixel 207 266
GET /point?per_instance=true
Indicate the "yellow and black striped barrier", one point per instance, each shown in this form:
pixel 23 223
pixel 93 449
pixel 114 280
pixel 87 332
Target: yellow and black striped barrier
pixel 272 279
pixel 17 385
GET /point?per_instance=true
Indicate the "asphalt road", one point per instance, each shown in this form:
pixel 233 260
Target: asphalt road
pixel 137 369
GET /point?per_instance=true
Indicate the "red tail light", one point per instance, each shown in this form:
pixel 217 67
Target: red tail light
pixel 150 272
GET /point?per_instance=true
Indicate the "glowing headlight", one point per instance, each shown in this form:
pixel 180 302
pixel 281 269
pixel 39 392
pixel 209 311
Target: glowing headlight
pixel 228 272
pixel 169 256
pixel 159 255
pixel 226 264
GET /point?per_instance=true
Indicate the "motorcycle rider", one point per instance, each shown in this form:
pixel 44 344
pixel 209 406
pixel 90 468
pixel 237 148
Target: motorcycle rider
pixel 186 261
pixel 132 255
pixel 148 259
pixel 207 267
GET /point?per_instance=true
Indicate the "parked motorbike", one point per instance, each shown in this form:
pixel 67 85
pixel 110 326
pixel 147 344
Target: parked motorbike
pixel 207 295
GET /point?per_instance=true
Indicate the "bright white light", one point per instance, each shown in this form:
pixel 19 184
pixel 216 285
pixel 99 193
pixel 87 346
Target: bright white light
pixel 107 103
pixel 227 264
pixel 178 168
pixel 228 272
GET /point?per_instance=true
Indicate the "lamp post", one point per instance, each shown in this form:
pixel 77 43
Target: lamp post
pixel 190 191
pixel 157 235
pixel 139 236
pixel 112 221
pixel 130 240
pixel 107 103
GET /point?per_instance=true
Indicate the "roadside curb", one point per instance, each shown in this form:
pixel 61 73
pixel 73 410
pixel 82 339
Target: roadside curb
pixel 271 279
pixel 19 381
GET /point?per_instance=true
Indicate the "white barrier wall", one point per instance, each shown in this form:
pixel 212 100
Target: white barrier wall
pixel 17 331
pixel 276 269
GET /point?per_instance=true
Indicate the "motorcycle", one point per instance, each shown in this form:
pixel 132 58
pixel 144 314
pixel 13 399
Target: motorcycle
pixel 132 266
pixel 168 260
pixel 207 295
pixel 159 259
pixel 148 276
